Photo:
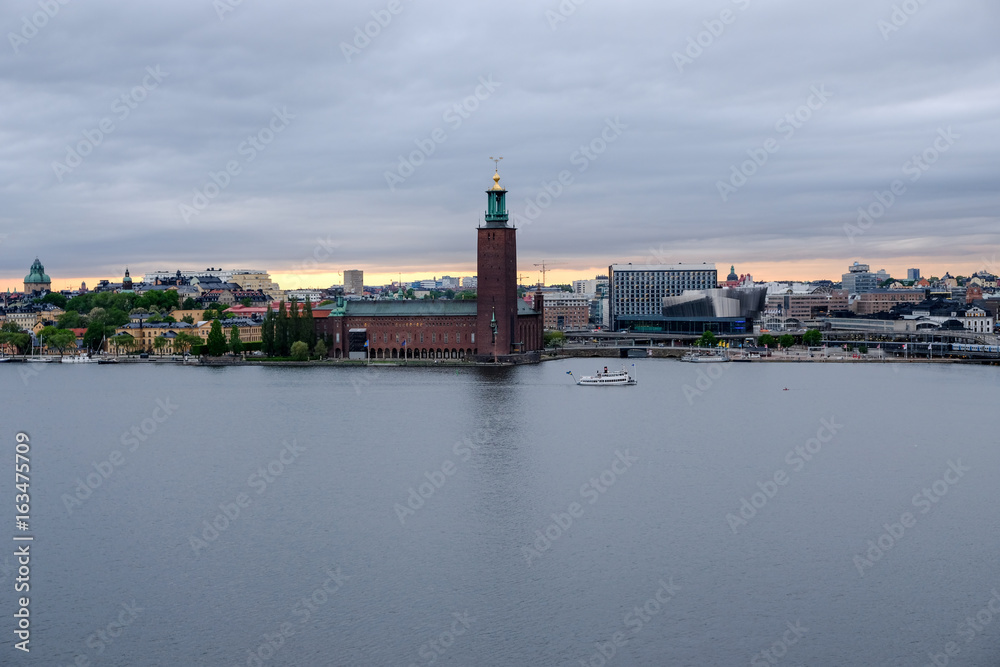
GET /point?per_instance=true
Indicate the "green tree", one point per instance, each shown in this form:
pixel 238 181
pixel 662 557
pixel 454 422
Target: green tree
pixel 96 333
pixel 294 325
pixel 56 299
pixel 12 336
pixel 320 349
pixel 786 341
pixel 81 303
pixel 99 327
pixel 300 351
pixel 62 340
pixel 160 343
pixel 216 343
pixel 282 339
pixel 555 339
pixel 409 293
pixel 122 342
pixel 46 333
pixel 189 304
pixel 813 337
pixel 267 334
pixel 466 295
pixel 69 320
pixel 246 302
pixel 707 340
pixel 235 342
pixel 188 319
pixel 117 317
pixel 766 340
pixel 308 325
pixel 184 341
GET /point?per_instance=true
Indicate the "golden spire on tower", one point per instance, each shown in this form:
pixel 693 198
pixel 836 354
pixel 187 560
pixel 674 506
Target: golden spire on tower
pixel 496 175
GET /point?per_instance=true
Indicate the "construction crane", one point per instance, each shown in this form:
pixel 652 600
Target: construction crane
pixel 544 268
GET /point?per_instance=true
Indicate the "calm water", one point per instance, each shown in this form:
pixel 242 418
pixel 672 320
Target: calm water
pixel 326 564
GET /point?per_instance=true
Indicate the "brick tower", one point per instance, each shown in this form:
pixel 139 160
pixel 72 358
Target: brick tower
pixel 496 300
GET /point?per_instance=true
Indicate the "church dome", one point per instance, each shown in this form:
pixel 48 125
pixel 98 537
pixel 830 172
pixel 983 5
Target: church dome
pixel 37 274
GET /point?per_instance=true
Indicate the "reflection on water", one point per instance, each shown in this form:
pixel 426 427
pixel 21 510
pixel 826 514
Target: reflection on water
pixel 422 489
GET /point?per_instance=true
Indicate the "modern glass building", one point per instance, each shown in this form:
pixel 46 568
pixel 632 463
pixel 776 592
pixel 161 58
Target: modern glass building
pixel 726 311
pixel 636 291
pixel 859 279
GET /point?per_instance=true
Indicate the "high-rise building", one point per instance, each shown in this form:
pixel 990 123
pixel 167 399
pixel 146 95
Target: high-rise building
pixel 913 274
pixel 859 279
pixel 354 282
pixel 593 286
pixel 637 290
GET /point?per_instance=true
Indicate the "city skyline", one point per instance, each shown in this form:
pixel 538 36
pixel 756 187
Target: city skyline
pixel 554 276
pixel 786 140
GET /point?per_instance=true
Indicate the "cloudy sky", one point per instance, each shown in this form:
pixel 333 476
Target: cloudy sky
pixel 308 137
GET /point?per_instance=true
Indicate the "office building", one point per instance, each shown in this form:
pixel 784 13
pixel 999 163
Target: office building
pixel 638 290
pixel 859 279
pixel 354 282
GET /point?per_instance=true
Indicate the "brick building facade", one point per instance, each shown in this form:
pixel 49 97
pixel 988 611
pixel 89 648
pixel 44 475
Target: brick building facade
pixel 497 324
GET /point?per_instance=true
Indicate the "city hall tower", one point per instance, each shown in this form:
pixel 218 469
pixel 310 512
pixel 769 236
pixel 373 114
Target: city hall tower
pixel 496 301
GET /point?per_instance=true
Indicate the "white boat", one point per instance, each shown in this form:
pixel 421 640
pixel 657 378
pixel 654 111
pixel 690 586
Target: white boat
pixel 704 358
pixel 605 378
pixel 2 359
pixel 38 360
pixel 81 359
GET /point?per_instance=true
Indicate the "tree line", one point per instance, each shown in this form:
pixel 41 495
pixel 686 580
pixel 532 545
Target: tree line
pixel 283 331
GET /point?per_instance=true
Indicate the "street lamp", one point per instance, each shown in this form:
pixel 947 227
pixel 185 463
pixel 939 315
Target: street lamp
pixel 493 328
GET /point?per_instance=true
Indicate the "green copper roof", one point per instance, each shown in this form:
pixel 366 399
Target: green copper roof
pixel 37 274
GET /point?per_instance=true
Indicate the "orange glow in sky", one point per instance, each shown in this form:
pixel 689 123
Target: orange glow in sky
pixel 804 270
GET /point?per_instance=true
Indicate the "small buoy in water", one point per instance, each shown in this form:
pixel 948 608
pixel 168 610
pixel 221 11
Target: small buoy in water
pixel 786 388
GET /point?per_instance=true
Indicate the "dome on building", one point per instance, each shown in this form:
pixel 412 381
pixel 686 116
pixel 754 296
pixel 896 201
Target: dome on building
pixel 37 274
pixel 732 274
